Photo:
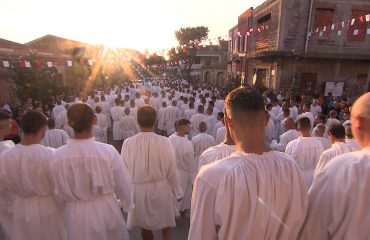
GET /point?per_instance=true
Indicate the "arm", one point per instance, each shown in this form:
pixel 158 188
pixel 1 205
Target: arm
pixel 172 171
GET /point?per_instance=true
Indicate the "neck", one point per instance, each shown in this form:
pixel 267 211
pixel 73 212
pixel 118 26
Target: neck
pixel 228 141
pixel 339 140
pixel 254 145
pixel 30 139
pixel 142 129
pixel 180 134
pixel 84 135
pixel 305 133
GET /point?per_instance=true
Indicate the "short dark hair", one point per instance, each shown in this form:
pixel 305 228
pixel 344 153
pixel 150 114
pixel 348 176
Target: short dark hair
pixel 80 117
pixel 245 99
pixel 98 109
pixel 303 123
pixel 4 116
pixel 337 130
pixel 181 122
pixel 322 117
pixel 146 116
pixel 50 123
pixel 32 122
pixel 348 130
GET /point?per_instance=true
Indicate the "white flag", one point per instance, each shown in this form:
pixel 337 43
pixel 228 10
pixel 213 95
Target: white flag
pixel 339 33
pixel 342 24
pixel 320 35
pixel 368 31
pixel 6 64
pixel 332 27
pixel 353 21
pixel 355 32
pixel 69 63
pixel 324 29
pixel 368 18
pixel 90 62
pixel 50 64
pixel 27 64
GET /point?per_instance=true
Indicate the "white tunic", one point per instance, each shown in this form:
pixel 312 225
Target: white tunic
pixel 354 144
pixel 308 115
pixel 315 110
pixel 171 115
pixel 186 167
pixel 189 113
pixel 248 196
pixel 161 119
pixel 270 132
pixel 286 138
pixel 325 142
pixel 339 199
pixel 196 119
pixel 128 126
pixel 25 172
pixel 218 125
pixel 306 152
pixel 103 122
pixel 215 153
pixel 56 110
pixel 220 135
pixel 54 138
pixel 86 175
pixel 201 142
pixel 336 149
pixel 116 114
pixel 151 162
pixel 6 199
pixel 212 122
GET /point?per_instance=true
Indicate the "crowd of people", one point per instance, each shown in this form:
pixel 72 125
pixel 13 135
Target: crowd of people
pixel 240 165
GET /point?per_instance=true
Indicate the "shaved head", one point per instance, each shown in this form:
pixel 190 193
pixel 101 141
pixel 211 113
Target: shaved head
pixel 289 123
pixel 202 127
pixel 360 119
pixel 361 108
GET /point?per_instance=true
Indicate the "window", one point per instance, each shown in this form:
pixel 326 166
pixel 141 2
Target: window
pixel 323 21
pixel 263 25
pixel 357 31
pixel 197 60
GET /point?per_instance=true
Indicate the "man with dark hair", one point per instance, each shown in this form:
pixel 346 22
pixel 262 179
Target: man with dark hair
pixel 36 214
pixel 152 165
pixel 54 138
pixel 190 112
pixel 305 150
pixel 6 199
pixel 202 141
pixel 171 115
pixel 116 113
pixel 250 187
pixel 350 140
pixel 128 125
pixel 102 122
pixel 197 119
pixel 186 165
pixel 306 113
pixel 92 211
pixel 337 135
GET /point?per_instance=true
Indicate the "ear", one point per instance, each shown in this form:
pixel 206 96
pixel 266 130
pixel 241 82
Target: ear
pixel 267 118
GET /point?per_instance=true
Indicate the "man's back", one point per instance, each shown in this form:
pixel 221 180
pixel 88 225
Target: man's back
pixel 249 196
pixel 54 138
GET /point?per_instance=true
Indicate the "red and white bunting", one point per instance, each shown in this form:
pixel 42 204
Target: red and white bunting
pixel 69 63
pixel 49 64
pixel 27 64
pixel 90 62
pixel 6 64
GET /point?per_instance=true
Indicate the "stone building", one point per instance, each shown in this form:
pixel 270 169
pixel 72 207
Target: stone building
pixel 310 46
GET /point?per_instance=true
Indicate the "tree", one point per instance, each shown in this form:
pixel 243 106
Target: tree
pixel 184 55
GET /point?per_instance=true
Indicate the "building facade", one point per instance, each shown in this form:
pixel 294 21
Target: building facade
pixel 310 46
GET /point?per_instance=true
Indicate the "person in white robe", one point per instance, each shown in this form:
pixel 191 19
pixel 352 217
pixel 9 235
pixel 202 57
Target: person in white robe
pixel 220 135
pixel 57 108
pixel 98 133
pixel 320 118
pixel 350 140
pixel 315 108
pixel 212 120
pixel 332 120
pixel 133 109
pixel 105 109
pixel 339 146
pixel 339 199
pixel 306 113
pixel 218 125
pixel 270 132
pixel 186 165
pixel 171 115
pixel 36 214
pixel 128 125
pixel 320 135
pixel 139 101
pixel 279 125
pixel 293 110
pixel 254 193
pixel 290 135
pixel 161 125
pixel 103 122
pixel 61 122
pixel 116 113
pixel 220 151
pixel 6 198
pixel 87 177
pixel 151 162
pixel 189 113
pixel 196 120
pixel 305 150
pixel 202 141
pixel 53 137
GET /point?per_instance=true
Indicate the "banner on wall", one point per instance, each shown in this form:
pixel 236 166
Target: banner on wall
pixel 336 88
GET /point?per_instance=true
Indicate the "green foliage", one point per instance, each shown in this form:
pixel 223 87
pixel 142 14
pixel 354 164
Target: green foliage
pixel 191 35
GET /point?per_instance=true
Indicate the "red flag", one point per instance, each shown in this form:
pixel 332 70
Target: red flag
pixel 22 64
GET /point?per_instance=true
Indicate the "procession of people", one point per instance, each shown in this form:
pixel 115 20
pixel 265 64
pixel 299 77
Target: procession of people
pixel 238 164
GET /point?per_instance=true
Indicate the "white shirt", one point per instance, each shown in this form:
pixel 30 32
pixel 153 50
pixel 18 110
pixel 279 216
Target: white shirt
pixel 87 175
pixel 336 149
pixel 248 196
pixel 201 142
pixel 215 153
pixel 339 199
pixel 54 138
pixel 294 112
pixel 220 135
pixel 306 152
pixel 189 113
pixel 315 110
pixel 308 115
pixel 286 138
pixel 196 119
pixel 129 126
pixel 325 142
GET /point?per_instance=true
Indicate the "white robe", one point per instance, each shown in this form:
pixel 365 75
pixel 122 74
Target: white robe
pixel 220 135
pixel 339 199
pixel 54 138
pixel 6 199
pixel 218 125
pixel 62 123
pixel 151 162
pixel 212 122
pixel 195 120
pixel 25 173
pixel 354 144
pixel 308 115
pixel 186 167
pixel 270 132
pixel 325 142
pixel 98 133
pixel 189 113
pixel 336 149
pixel 161 119
pixel 248 196
pixel 56 110
pixel 285 138
pixel 202 142
pixel 332 121
pixel 103 122
pixel 315 110
pixel 116 114
pixel 128 126
pixel 171 115
pixel 87 175
pixel 294 112
pixel 306 152
pixel 215 153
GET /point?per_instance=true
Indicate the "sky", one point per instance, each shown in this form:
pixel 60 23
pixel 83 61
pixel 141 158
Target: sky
pixel 136 24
